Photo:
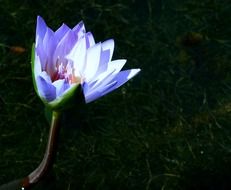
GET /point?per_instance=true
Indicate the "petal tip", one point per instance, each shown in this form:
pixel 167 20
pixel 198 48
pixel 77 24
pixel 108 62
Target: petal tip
pixel 40 20
pixel 133 72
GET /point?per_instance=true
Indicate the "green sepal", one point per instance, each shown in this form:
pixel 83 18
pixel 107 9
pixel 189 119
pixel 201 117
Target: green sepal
pixel 63 102
pixel 32 67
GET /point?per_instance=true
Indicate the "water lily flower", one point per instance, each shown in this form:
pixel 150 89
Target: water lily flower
pixel 66 58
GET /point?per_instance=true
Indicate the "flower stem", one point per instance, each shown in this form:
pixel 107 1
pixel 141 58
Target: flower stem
pixel 49 156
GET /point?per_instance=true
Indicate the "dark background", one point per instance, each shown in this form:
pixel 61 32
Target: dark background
pixel 168 128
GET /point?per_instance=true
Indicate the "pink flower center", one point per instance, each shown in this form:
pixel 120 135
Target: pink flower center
pixel 65 70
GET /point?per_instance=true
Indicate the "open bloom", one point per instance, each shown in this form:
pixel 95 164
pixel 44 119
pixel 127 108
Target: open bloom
pixel 64 59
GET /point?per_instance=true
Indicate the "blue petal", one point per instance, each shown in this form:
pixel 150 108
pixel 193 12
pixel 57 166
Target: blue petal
pixel 106 55
pixel 121 78
pixel 96 93
pixel 106 77
pixel 61 86
pixel 92 97
pixel 41 28
pixel 104 59
pixel 45 89
pixel 79 29
pixel 109 45
pixel 42 56
pixel 49 44
pixel 60 33
pixel 65 45
pixel 89 40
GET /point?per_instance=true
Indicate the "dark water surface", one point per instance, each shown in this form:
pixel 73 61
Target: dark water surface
pixel 169 128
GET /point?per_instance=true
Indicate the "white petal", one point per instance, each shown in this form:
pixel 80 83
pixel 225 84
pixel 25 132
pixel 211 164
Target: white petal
pixel 100 80
pixel 121 78
pixel 78 56
pixel 45 76
pixel 114 67
pixel 61 86
pixel 37 66
pixel 110 83
pixel 133 72
pixel 92 62
pixel 117 65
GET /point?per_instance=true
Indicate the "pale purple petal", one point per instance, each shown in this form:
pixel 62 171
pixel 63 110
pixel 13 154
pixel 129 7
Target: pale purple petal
pixel 65 46
pixel 48 38
pixel 79 29
pixel 89 40
pixel 97 93
pixel 61 86
pixel 109 45
pixel 45 89
pixel 42 55
pixel 85 87
pixel 60 33
pixel 49 44
pixel 104 78
pixel 99 81
pixel 104 59
pixel 103 89
pixel 106 55
pixel 117 65
pixel 92 97
pixel 44 75
pixel 41 28
pixel 121 78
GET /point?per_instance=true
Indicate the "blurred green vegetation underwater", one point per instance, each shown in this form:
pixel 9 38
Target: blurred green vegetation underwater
pixel 169 128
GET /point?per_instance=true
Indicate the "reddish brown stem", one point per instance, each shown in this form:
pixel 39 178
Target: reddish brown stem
pixel 49 155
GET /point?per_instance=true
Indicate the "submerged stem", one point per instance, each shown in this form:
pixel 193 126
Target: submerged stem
pixel 49 155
